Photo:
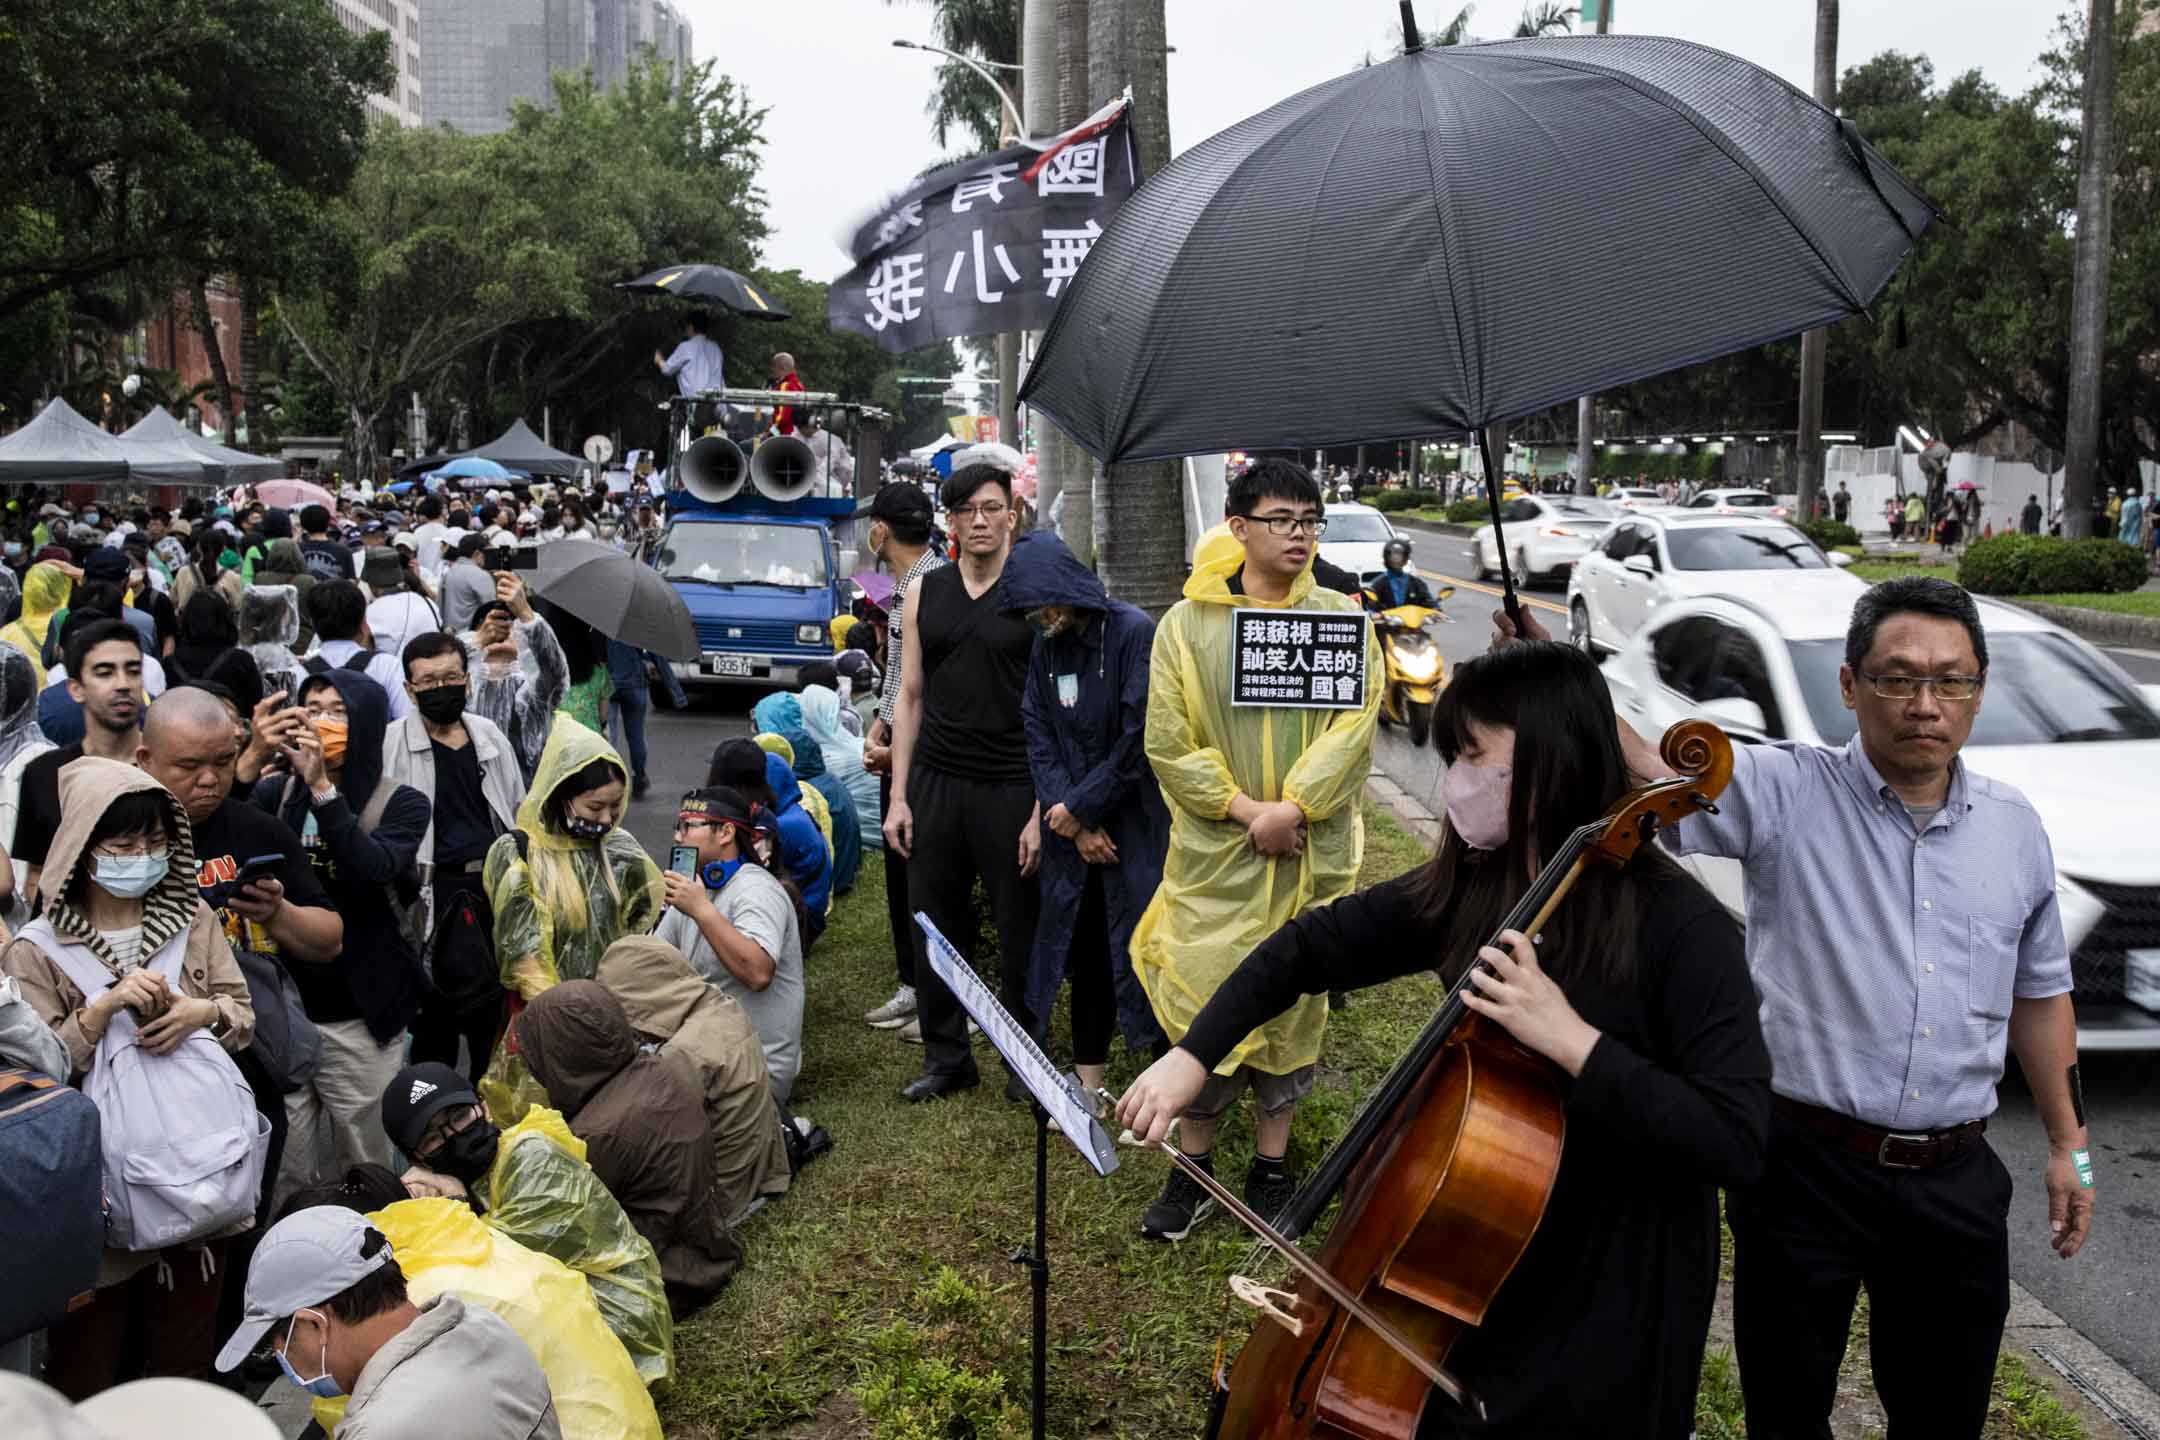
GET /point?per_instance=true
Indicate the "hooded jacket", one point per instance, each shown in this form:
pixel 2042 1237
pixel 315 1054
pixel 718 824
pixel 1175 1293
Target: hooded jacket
pixel 564 901
pixel 1219 898
pixel 377 971
pixel 422 1381
pixel 21 740
pixel 45 592
pixel 668 1002
pixel 1084 706
pixel 782 715
pixel 642 1118
pixel 802 846
pixel 843 752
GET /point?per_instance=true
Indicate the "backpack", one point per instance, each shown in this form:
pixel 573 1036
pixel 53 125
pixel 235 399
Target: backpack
pixel 184 1146
pixel 52 1206
pixel 285 1043
pixel 357 662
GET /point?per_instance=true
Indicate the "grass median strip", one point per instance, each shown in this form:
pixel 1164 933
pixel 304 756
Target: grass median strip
pixel 880 1298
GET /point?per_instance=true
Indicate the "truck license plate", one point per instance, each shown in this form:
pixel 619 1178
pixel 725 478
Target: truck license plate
pixel 727 664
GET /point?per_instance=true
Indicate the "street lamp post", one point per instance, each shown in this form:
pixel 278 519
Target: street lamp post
pixel 982 68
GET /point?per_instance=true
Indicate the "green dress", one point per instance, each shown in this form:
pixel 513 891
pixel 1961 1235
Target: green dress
pixel 581 702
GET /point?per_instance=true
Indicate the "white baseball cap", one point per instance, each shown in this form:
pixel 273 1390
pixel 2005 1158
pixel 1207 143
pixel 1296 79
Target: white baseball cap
pixel 300 1262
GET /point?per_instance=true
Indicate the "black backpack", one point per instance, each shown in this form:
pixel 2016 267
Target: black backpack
pixel 357 662
pixel 52 1200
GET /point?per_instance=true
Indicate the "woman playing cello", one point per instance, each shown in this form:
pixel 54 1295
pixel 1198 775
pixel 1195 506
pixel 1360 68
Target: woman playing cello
pixel 1636 990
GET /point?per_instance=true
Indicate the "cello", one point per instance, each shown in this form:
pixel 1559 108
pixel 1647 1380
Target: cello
pixel 1444 1176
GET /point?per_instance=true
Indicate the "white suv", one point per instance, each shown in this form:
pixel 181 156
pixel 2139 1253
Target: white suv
pixel 1734 501
pixel 1648 561
pixel 1546 535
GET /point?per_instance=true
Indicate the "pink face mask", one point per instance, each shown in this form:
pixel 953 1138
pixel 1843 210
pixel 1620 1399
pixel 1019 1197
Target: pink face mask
pixel 1477 802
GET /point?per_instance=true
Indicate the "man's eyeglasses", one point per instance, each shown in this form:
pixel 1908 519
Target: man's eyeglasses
pixel 994 511
pixel 1288 525
pixel 1904 687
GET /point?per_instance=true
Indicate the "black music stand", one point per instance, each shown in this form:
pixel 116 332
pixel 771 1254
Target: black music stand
pixel 1054 1097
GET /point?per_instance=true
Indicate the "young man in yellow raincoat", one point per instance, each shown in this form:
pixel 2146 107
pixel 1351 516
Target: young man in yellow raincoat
pixel 1264 823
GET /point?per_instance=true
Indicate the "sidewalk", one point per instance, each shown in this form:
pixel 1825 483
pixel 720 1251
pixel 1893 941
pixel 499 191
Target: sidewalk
pixel 2106 1399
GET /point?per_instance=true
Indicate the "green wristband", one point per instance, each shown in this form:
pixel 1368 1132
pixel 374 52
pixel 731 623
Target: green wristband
pixel 2083 1160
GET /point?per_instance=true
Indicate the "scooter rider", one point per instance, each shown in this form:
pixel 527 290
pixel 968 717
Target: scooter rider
pixel 1399 584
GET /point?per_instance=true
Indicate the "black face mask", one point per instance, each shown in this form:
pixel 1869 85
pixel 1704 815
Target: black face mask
pixel 468 1155
pixel 443 704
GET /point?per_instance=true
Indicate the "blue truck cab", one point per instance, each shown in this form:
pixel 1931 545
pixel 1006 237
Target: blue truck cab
pixel 762 578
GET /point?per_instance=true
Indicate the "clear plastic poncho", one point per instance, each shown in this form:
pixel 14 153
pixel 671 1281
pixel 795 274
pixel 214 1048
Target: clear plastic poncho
pixel 270 632
pixel 1219 898
pixel 821 712
pixel 543 1195
pixel 520 695
pixel 443 1247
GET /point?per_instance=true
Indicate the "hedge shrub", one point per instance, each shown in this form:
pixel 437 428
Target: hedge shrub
pixel 2049 565
pixel 1468 512
pixel 1829 534
pixel 1393 500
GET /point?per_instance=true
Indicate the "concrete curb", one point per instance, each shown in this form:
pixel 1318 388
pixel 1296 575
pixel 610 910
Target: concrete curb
pixel 2101 627
pixel 2093 1385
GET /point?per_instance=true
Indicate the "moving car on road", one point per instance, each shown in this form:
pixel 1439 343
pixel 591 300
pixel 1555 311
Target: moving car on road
pixel 1733 502
pixel 1646 562
pixel 2057 720
pixel 1354 538
pixel 1546 535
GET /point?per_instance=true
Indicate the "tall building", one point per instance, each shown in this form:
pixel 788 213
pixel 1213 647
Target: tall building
pixel 481 56
pixel 401 18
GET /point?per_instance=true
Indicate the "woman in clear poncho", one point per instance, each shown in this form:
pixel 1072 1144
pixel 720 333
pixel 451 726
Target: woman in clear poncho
pixel 45 591
pixel 21 741
pixel 270 633
pixel 843 754
pixel 519 676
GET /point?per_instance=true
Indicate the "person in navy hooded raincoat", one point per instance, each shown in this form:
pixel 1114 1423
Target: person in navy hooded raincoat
pixel 1105 827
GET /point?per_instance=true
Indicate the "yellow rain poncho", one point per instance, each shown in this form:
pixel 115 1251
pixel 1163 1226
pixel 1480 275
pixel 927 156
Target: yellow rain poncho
pixel 543 1195
pixel 1219 898
pixel 45 591
pixel 559 907
pixel 442 1246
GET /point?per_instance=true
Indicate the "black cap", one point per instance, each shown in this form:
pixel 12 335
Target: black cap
pixel 105 563
pixel 414 1097
pixel 902 501
pixel 738 762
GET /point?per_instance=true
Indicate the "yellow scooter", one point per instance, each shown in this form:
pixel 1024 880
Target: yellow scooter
pixel 1415 671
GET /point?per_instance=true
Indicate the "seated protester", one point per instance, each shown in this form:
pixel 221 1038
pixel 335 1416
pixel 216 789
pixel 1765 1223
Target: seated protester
pixel 107 654
pixel 671 1006
pixel 642 1118
pixel 569 881
pixel 399 610
pixel 360 833
pixel 444 1247
pixel 742 766
pixel 208 628
pixel 531 1183
pixel 467 766
pixel 344 642
pixel 519 671
pixel 842 750
pixel 120 902
pixel 809 797
pixel 781 714
pixel 743 934
pixel 325 1290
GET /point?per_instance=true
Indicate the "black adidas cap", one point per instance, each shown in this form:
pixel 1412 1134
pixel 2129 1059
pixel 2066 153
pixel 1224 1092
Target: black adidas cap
pixel 414 1097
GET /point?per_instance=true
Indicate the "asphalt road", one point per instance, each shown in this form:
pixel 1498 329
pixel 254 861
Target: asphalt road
pixel 2111 1291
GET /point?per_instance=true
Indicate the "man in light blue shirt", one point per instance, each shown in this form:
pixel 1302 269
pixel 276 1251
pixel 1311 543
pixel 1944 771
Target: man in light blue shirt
pixel 1903 933
pixel 696 364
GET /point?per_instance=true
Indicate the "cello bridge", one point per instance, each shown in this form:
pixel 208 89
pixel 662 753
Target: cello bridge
pixel 1264 1299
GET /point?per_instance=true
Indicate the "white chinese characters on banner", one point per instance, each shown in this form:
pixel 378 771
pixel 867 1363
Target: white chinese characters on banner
pixel 990 183
pixel 983 293
pixel 907 217
pixel 894 291
pixel 1063 250
pixel 1075 170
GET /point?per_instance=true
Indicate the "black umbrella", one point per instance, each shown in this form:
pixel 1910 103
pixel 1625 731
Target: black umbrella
pixel 714 283
pixel 1465 235
pixel 618 596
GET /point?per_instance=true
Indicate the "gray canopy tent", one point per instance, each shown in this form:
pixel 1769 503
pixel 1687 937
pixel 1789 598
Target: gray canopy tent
pixel 59 447
pixel 221 464
pixel 517 448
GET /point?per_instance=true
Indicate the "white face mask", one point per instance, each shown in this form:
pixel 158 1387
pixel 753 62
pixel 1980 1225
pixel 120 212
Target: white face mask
pixel 129 877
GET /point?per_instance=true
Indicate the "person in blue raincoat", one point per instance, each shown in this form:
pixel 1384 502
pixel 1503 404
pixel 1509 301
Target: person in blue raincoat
pixel 782 714
pixel 1105 826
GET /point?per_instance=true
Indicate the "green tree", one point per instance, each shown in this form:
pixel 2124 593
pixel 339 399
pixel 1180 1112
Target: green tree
pixel 960 99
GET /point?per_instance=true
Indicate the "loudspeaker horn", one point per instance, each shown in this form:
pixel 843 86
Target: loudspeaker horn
pixel 784 468
pixel 713 469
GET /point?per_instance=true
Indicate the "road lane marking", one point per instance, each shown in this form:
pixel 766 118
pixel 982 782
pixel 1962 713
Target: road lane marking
pixel 1491 590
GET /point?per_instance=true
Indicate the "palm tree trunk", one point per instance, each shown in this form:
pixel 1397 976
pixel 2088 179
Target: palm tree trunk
pixel 1139 509
pixel 1815 345
pixel 2088 301
pixel 206 331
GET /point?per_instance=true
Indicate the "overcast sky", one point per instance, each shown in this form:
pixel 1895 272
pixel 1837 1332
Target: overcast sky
pixel 847 122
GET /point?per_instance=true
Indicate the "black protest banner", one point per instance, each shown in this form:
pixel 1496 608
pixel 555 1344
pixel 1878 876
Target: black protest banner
pixel 987 245
pixel 1301 659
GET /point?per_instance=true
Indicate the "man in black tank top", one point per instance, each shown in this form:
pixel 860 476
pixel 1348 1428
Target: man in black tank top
pixel 963 803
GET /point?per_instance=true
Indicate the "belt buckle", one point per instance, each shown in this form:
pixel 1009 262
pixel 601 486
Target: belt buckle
pixel 1882 1151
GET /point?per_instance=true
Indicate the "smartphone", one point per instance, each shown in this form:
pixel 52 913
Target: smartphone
pixel 525 557
pixel 257 867
pixel 683 860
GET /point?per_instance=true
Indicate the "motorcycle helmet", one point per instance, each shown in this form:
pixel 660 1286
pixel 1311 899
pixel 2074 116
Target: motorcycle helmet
pixel 1396 548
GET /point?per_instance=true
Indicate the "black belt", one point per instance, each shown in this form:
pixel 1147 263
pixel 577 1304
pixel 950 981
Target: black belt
pixel 1891 1149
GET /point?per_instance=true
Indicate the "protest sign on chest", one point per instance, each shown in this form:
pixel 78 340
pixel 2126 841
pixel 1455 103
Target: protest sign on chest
pixel 1301 659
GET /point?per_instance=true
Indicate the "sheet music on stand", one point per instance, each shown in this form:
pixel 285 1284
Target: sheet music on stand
pixel 1069 1111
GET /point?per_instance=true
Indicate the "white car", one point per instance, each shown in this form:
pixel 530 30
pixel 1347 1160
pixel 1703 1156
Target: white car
pixel 1734 502
pixel 1633 497
pixel 2059 722
pixel 1354 538
pixel 1646 562
pixel 1546 535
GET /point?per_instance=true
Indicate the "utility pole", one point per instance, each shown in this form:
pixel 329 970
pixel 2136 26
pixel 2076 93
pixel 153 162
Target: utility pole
pixel 1139 509
pixel 2088 296
pixel 1815 344
pixel 1599 13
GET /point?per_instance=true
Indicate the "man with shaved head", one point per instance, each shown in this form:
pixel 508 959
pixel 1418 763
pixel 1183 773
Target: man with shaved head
pixel 785 378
